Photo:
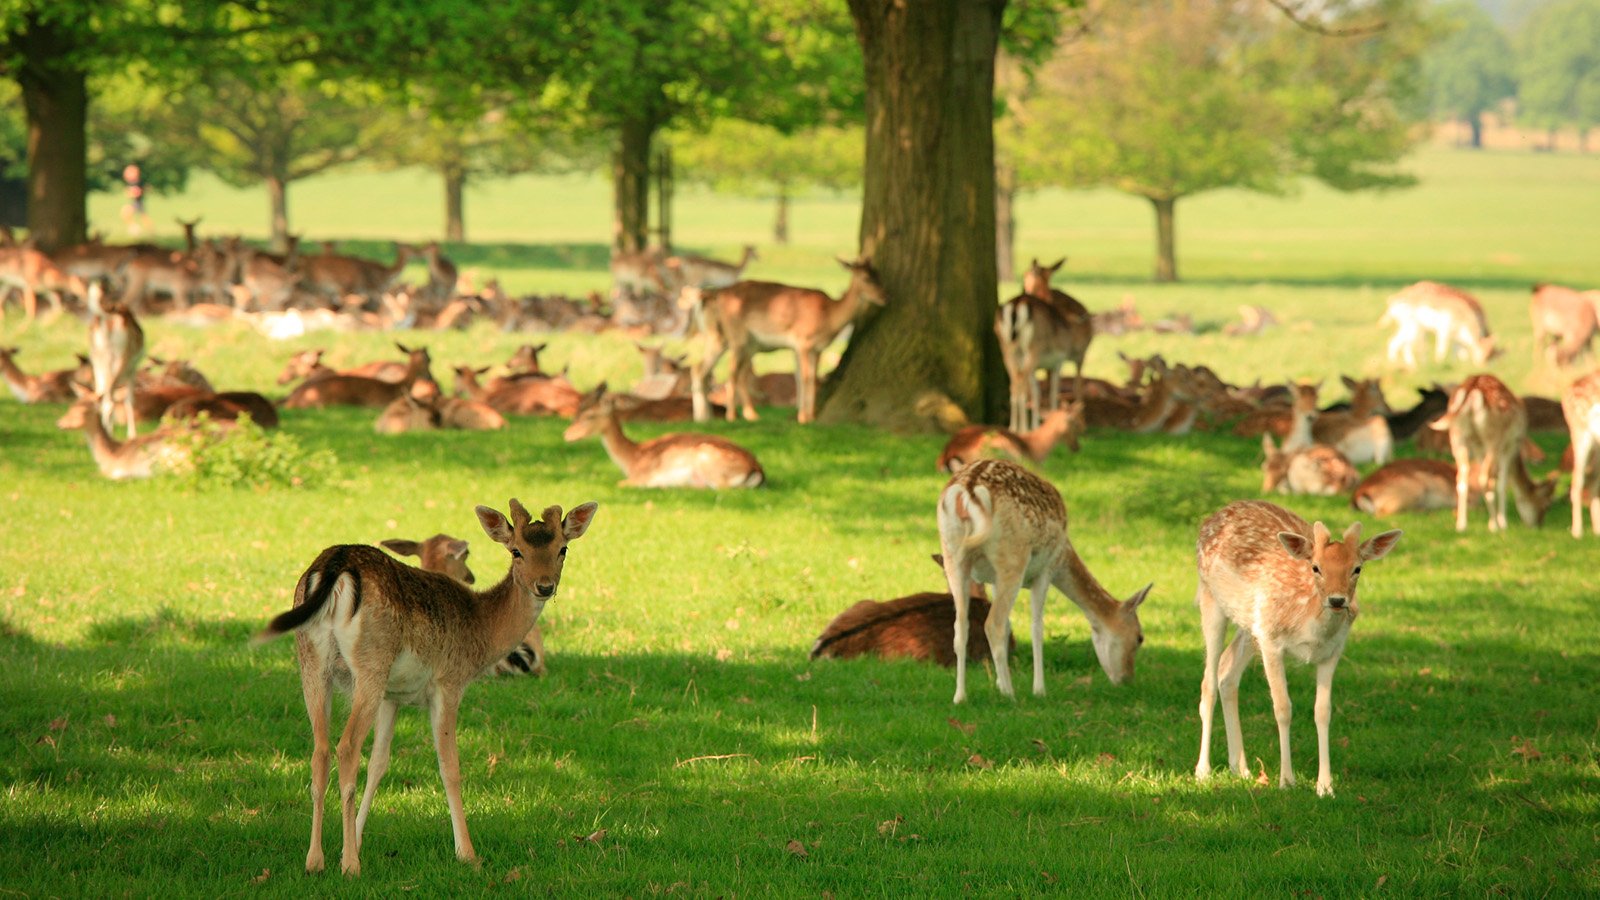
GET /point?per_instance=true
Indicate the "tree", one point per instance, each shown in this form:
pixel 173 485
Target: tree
pixel 1165 102
pixel 1469 71
pixel 1559 75
pixel 743 157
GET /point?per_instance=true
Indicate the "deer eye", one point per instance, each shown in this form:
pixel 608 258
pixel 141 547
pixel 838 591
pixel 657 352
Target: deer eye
pixel 516 553
pixel 1356 571
pixel 563 552
pixel 1316 569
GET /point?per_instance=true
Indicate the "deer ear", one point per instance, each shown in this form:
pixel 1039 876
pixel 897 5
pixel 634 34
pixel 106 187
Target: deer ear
pixel 1298 545
pixel 402 547
pixel 457 549
pixel 938 560
pixel 1136 600
pixel 1379 546
pixel 1058 264
pixel 494 524
pixel 1349 382
pixel 577 521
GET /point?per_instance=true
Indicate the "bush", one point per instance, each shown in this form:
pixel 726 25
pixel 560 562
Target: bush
pixel 243 454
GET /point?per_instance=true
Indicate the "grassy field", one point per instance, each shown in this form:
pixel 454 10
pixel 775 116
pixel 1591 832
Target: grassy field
pixel 682 742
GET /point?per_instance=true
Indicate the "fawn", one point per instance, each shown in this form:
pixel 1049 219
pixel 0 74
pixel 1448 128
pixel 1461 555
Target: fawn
pixel 1002 525
pixel 1290 589
pixel 395 635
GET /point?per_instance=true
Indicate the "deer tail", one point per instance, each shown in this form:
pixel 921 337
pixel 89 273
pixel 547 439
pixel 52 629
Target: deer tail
pixel 312 593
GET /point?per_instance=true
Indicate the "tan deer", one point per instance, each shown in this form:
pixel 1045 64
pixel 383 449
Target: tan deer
pixel 919 626
pixel 1080 325
pixel 685 270
pixel 448 556
pixel 1581 405
pixel 31 271
pixel 357 390
pixel 391 635
pixel 672 460
pixel 116 344
pixel 1406 485
pixel 137 457
pixel 406 414
pixel 1034 334
pixel 49 387
pixel 1487 426
pixel 531 395
pixel 1454 317
pixel 1290 589
pixel 442 275
pixel 1318 469
pixel 1568 317
pixel 637 272
pixel 1360 432
pixel 754 316
pixel 1004 526
pixel 1062 426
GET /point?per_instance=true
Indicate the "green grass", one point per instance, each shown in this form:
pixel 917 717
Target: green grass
pixel 152 750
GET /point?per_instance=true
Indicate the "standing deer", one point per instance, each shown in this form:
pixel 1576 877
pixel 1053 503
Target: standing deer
pixel 1569 317
pixel 391 634
pixel 1581 406
pixel 447 555
pixel 1290 589
pixel 1034 334
pixel 1454 316
pixel 1080 325
pixel 686 270
pixel 672 460
pixel 442 274
pixel 1004 526
pixel 751 316
pixel 1487 426
pixel 116 344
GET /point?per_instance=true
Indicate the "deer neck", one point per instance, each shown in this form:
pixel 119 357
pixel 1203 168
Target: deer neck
pixel 21 384
pixel 1155 408
pixel 843 311
pixel 1530 507
pixel 1040 441
pixel 622 450
pixel 105 448
pixel 508 611
pixel 1074 579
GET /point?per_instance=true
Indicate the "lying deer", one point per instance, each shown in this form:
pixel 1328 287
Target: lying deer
pixel 920 627
pixel 1455 317
pixel 1361 432
pixel 357 390
pixel 525 396
pixel 1002 525
pixel 1581 405
pixel 1407 485
pixel 116 344
pixel 1063 425
pixel 391 634
pixel 448 556
pixel 1487 426
pixel 1290 589
pixel 137 457
pixel 1318 469
pixel 227 406
pixel 405 414
pixel 1568 317
pixel 49 387
pixel 672 460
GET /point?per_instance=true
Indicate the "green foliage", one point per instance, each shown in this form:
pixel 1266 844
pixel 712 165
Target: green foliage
pixel 1471 69
pixel 744 157
pixel 244 455
pixel 1559 75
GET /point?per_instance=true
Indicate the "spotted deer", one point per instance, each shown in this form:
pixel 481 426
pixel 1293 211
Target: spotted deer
pixel 1581 406
pixel 672 460
pixel 1318 469
pixel 448 556
pixel 116 344
pixel 1290 589
pixel 1487 426
pixel 1062 426
pixel 393 635
pixel 1002 525
pixel 143 456
pixel 358 390
pixel 1360 432
pixel 1454 317
pixel 1564 321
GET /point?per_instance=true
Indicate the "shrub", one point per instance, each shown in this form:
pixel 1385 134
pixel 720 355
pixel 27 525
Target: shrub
pixel 243 454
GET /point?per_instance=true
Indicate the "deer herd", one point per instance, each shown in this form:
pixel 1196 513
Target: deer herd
pixel 391 634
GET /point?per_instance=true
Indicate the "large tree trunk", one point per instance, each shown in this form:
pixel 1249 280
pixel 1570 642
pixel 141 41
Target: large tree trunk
pixel 630 181
pixel 1166 239
pixel 780 225
pixel 278 198
pixel 1005 223
pixel 56 96
pixel 927 217
pixel 455 187
pixel 1475 122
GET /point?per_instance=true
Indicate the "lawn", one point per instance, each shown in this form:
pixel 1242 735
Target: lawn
pixel 682 742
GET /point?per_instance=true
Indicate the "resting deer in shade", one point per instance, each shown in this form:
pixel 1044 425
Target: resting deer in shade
pixel 1290 589
pixel 391 635
pixel 1002 525
pixel 672 460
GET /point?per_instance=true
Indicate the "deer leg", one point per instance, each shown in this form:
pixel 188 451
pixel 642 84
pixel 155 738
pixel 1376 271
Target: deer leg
pixel 1008 582
pixel 535 639
pixel 1324 715
pixel 700 376
pixel 1213 626
pixel 957 576
pixel 1272 661
pixel 127 407
pixel 1036 600
pixel 808 385
pixel 1234 662
pixel 363 709
pixel 442 707
pixel 1441 343
pixel 1502 487
pixel 319 706
pixel 1463 484
pixel 1055 396
pixel 378 763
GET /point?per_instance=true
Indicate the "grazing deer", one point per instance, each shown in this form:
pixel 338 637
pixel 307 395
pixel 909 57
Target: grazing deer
pixel 1581 404
pixel 1062 425
pixel 1002 525
pixel 357 390
pixel 1455 317
pixel 1318 469
pixel 1487 426
pixel 116 344
pixel 1290 589
pixel 49 387
pixel 921 627
pixel 448 556
pixel 672 460
pixel 685 270
pixel 1568 317
pixel 391 634
pixel 752 316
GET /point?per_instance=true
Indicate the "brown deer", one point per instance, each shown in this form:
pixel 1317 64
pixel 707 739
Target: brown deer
pixel 357 390
pixel 227 406
pixel 137 457
pixel 1360 432
pixel 391 634
pixel 1080 325
pixel 175 372
pixel 752 316
pixel 1406 485
pixel 49 387
pixel 442 275
pixel 1061 426
pixel 405 414
pixel 672 460
pixel 29 270
pixel 1318 469
pixel 1290 589
pixel 1034 334
pixel 447 555
pixel 1454 316
pixel 1581 404
pixel 685 270
pixel 116 344
pixel 921 627
pixel 1487 426
pixel 1567 317
pixel 1005 526
pixel 637 272
pixel 526 396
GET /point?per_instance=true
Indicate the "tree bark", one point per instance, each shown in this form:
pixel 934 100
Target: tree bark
pixel 1005 223
pixel 278 198
pixel 1475 122
pixel 1166 239
pixel 780 225
pixel 455 187
pixel 56 96
pixel 630 181
pixel 927 217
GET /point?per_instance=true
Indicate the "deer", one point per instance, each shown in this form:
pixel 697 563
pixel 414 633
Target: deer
pixel 1361 432
pixel 1080 325
pixel 1455 317
pixel 1407 485
pixel 1318 469
pixel 686 270
pixel 175 372
pixel 116 344
pixel 1581 406
pixel 448 556
pixel 357 390
pixel 672 460
pixel 919 626
pixel 137 457
pixel 1063 425
pixel 527 396
pixel 1568 317
pixel 406 413
pixel 525 361
pixel 1007 527
pixel 752 316
pixel 49 387
pixel 442 274
pixel 391 634
pixel 1034 334
pixel 1487 426
pixel 637 272
pixel 1290 589
pixel 226 406
pixel 25 268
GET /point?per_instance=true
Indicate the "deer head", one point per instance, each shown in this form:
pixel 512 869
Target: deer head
pixel 538 548
pixel 1336 565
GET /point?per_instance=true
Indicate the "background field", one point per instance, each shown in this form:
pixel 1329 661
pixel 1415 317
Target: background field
pixel 153 750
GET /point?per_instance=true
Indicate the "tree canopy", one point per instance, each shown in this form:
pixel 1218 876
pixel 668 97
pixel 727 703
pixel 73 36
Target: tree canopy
pixel 1559 73
pixel 1471 69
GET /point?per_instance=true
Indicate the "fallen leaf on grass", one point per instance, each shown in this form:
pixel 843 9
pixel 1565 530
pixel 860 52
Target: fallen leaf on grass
pixel 595 837
pixel 111 721
pixel 961 726
pixel 978 760
pixel 796 848
pixel 1105 759
pixel 1382 880
pixel 1524 748
pixel 59 724
pixel 1262 780
pixel 261 879
pixel 890 826
pixel 1041 746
